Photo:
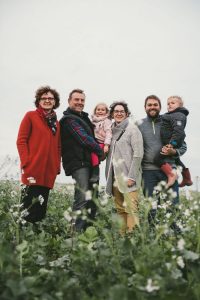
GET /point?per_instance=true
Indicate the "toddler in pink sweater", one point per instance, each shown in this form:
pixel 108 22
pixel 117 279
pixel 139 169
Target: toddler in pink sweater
pixel 103 135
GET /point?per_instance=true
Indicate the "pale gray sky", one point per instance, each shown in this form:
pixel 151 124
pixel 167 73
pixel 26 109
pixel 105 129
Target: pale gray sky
pixel 112 49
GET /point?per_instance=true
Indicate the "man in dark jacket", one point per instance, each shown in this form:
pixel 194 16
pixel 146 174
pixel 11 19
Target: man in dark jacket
pixel 78 141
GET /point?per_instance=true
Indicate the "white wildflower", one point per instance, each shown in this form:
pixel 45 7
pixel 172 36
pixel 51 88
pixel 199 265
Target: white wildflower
pixel 180 206
pixel 104 200
pixel 15 214
pixel 187 212
pixel 89 210
pixel 164 206
pixel 88 195
pixel 78 212
pixel 13 194
pixel 157 188
pixel 179 224
pixel 24 213
pixel 163 183
pixel 174 194
pixel 70 188
pixel 168 215
pixel 41 199
pixel 150 287
pixel 67 216
pixel 181 244
pixel 168 265
pixel 95 185
pixel 188 195
pixel 165 229
pixel 195 207
pixel 180 262
pixel 154 204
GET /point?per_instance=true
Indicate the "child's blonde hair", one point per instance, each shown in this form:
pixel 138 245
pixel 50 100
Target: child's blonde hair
pixel 177 98
pixel 103 104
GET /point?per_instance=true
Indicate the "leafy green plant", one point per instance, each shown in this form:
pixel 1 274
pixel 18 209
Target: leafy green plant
pixel 48 260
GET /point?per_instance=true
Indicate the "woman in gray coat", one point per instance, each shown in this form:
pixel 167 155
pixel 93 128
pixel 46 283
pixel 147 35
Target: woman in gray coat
pixel 123 165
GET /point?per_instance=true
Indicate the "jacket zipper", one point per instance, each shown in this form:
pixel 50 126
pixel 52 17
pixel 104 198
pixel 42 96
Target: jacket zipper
pixel 153 126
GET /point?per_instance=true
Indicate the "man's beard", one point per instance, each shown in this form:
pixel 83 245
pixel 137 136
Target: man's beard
pixel 156 114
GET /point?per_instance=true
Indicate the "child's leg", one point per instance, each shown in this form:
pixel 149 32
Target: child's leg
pixel 95 175
pixel 165 168
pixel 170 173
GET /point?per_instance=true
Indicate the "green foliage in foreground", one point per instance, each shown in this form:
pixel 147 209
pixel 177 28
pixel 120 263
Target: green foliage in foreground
pixel 48 261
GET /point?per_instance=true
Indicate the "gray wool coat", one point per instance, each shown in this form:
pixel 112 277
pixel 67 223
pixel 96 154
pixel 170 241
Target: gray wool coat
pixel 124 157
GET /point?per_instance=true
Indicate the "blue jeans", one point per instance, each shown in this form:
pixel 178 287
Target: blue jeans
pixel 82 185
pixel 151 179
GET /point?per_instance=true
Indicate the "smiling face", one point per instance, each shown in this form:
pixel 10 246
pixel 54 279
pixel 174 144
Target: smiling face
pixel 47 101
pixel 119 114
pixel 77 102
pixel 152 108
pixel 101 110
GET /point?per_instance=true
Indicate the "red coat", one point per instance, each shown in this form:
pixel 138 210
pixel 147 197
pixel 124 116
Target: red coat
pixel 39 151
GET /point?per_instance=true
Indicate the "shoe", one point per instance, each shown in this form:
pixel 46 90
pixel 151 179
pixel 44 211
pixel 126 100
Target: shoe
pixel 186 178
pixel 169 172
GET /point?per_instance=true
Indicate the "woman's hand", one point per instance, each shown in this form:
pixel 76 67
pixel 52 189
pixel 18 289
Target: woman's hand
pixel 130 182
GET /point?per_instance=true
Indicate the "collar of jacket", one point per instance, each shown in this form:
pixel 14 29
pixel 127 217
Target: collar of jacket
pixel 155 120
pixel 183 110
pixel 118 128
pixel 71 111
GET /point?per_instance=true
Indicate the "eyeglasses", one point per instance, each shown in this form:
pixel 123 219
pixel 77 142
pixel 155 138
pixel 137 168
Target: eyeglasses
pixel 49 99
pixel 121 112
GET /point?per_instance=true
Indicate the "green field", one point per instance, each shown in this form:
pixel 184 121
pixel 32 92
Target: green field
pixel 49 261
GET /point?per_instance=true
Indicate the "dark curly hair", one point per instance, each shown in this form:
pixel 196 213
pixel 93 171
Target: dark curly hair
pixel 44 90
pixel 122 103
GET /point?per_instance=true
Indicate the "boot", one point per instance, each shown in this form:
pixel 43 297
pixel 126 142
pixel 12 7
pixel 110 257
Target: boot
pixel 186 178
pixel 171 176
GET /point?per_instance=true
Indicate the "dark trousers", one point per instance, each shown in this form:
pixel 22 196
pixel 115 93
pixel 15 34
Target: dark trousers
pixel 82 199
pixel 31 197
pixel 151 179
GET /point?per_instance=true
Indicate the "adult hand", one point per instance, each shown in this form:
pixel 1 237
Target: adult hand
pixel 130 182
pixel 168 150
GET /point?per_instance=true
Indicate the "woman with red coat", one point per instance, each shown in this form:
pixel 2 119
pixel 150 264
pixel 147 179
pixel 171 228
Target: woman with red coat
pixel 38 144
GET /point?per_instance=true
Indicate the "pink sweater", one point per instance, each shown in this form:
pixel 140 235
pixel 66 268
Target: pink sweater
pixel 102 130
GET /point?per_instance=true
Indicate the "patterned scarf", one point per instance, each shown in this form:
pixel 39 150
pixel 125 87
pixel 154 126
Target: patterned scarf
pixel 50 118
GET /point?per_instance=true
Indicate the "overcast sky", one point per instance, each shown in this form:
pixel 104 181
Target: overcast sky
pixel 112 49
